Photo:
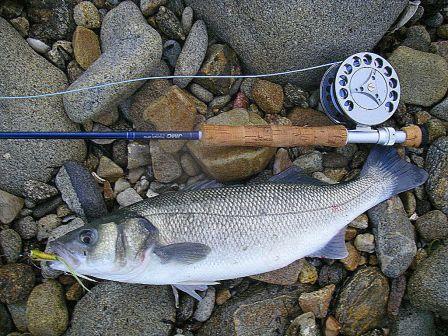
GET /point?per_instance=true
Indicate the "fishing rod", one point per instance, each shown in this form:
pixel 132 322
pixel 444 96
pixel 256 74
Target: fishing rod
pixel 356 94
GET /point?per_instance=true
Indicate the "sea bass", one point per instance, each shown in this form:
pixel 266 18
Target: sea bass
pixel 196 237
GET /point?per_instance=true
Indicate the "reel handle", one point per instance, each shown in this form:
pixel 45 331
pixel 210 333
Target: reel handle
pixel 274 135
pixel 291 136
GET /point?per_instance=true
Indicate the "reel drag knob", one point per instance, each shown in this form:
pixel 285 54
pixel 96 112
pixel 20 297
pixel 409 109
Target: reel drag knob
pixel 364 90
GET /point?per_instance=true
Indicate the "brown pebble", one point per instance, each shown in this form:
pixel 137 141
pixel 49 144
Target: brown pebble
pixel 86 46
pixel 74 293
pixel 317 302
pixel 421 117
pixel 308 274
pixel 108 191
pixel 350 233
pixel 373 260
pixel 352 260
pixel 397 289
pixel 268 96
pixel 66 280
pixel 222 296
pixel 241 101
pixel 332 326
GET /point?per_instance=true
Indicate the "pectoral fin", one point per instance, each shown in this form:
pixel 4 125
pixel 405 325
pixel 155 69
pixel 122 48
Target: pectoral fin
pixel 335 248
pixel 184 253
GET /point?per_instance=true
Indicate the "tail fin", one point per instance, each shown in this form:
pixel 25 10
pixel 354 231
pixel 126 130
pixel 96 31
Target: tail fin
pixel 385 164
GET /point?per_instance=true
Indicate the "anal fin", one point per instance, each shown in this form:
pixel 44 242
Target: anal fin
pixel 334 249
pixel 191 290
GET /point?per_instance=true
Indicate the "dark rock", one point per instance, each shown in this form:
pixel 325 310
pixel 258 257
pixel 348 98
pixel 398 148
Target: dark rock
pixel 60 23
pixel 397 289
pixel 219 60
pixel 18 315
pixel 47 207
pixel 434 21
pixel 435 129
pixel 120 153
pixel 441 110
pixel 284 276
pixel 32 159
pixel 10 245
pixel 192 54
pixel 266 38
pixel 394 237
pixel 427 287
pixel 246 314
pixel 437 168
pixel 417 38
pixel 171 52
pixel 413 321
pixel 6 325
pixel 47 297
pixel 176 6
pixel 80 191
pixel 295 96
pixel 362 301
pixel 169 24
pixel 11 8
pixel 133 49
pixel 432 225
pixel 334 160
pixel 331 274
pixel 186 307
pixel 109 307
pixel 423 76
pixel 16 282
pixel 150 7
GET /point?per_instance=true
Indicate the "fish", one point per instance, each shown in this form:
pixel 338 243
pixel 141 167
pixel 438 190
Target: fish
pixel 210 232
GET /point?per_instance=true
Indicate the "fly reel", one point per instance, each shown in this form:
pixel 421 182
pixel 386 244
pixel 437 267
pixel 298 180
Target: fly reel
pixel 362 91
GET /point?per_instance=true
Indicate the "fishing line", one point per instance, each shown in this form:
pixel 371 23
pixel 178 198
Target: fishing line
pixel 51 94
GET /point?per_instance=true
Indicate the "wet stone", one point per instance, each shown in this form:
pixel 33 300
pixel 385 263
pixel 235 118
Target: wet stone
pixel 21 24
pixel 18 315
pixel 138 155
pixel 6 325
pixel 268 96
pixel 150 7
pixel 295 96
pixel 16 282
pixel 334 160
pixel 417 38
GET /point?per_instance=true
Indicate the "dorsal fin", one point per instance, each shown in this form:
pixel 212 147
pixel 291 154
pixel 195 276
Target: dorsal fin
pixel 295 175
pixel 335 248
pixel 206 184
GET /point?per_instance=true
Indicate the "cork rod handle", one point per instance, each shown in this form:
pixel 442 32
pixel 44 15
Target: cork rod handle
pixel 274 136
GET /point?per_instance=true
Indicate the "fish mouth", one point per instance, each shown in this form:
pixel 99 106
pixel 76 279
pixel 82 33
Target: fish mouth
pixel 64 253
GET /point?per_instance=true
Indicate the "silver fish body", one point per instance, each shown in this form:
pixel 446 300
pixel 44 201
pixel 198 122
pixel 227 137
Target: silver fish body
pixel 202 236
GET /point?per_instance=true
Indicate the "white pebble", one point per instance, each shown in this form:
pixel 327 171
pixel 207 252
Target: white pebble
pixel 128 197
pixel 205 307
pixel 38 45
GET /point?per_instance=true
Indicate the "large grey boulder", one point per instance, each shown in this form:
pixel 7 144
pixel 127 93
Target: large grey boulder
pixel 24 72
pixel 281 35
pixel 131 49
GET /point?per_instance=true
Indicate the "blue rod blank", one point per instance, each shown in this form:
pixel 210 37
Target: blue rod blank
pixel 103 135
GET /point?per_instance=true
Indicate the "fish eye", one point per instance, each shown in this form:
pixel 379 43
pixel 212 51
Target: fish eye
pixel 87 236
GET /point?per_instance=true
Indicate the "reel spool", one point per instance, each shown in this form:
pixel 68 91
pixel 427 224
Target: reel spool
pixel 362 91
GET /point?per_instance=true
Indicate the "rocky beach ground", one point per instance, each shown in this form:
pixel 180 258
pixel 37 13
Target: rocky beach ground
pixel 394 280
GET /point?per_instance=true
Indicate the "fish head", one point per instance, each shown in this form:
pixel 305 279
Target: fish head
pixel 110 248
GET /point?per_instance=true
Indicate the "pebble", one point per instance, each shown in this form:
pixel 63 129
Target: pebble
pixel 432 225
pixel 80 191
pixel 308 117
pixel 151 194
pixel 38 45
pixel 417 38
pixel 166 167
pixel 47 297
pixel 283 276
pixel 131 57
pixel 138 155
pixel 47 207
pixel 192 54
pixel 232 163
pixel 281 161
pixel 222 296
pixel 74 292
pixel 201 93
pixel 303 325
pixel 348 151
pixel 189 165
pixel 362 301
pixel 121 185
pixel 435 20
pixel 38 191
pixel 365 242
pixel 119 153
pixel 18 315
pixel 295 96
pixel 360 222
pixel 436 129
pixel 310 162
pixel 109 170
pixel 351 261
pixel 173 111
pixel 10 207
pixel 218 103
pixel 125 309
pixel 150 7
pixel 220 60
pixel 128 197
pixel 17 281
pixel 442 31
pixel 60 54
pixel 10 245
pixel 86 14
pixel 135 174
pixel 397 290
pixel 74 71
pixel 332 326
pixel 268 96
pixel 46 225
pixel 423 76
pixel 394 237
pixel 171 52
pixel 437 168
pixel 26 227
pixel 441 110
pixel 21 24
pixel 205 306
pixel 317 302
pixel 427 287
pixel 308 273
pixel 331 274
pixel 246 87
pixel 86 47
pixel 241 101
pixel 187 19
pixel 334 160
pixel 6 325
pixel 169 24
pixel 413 321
